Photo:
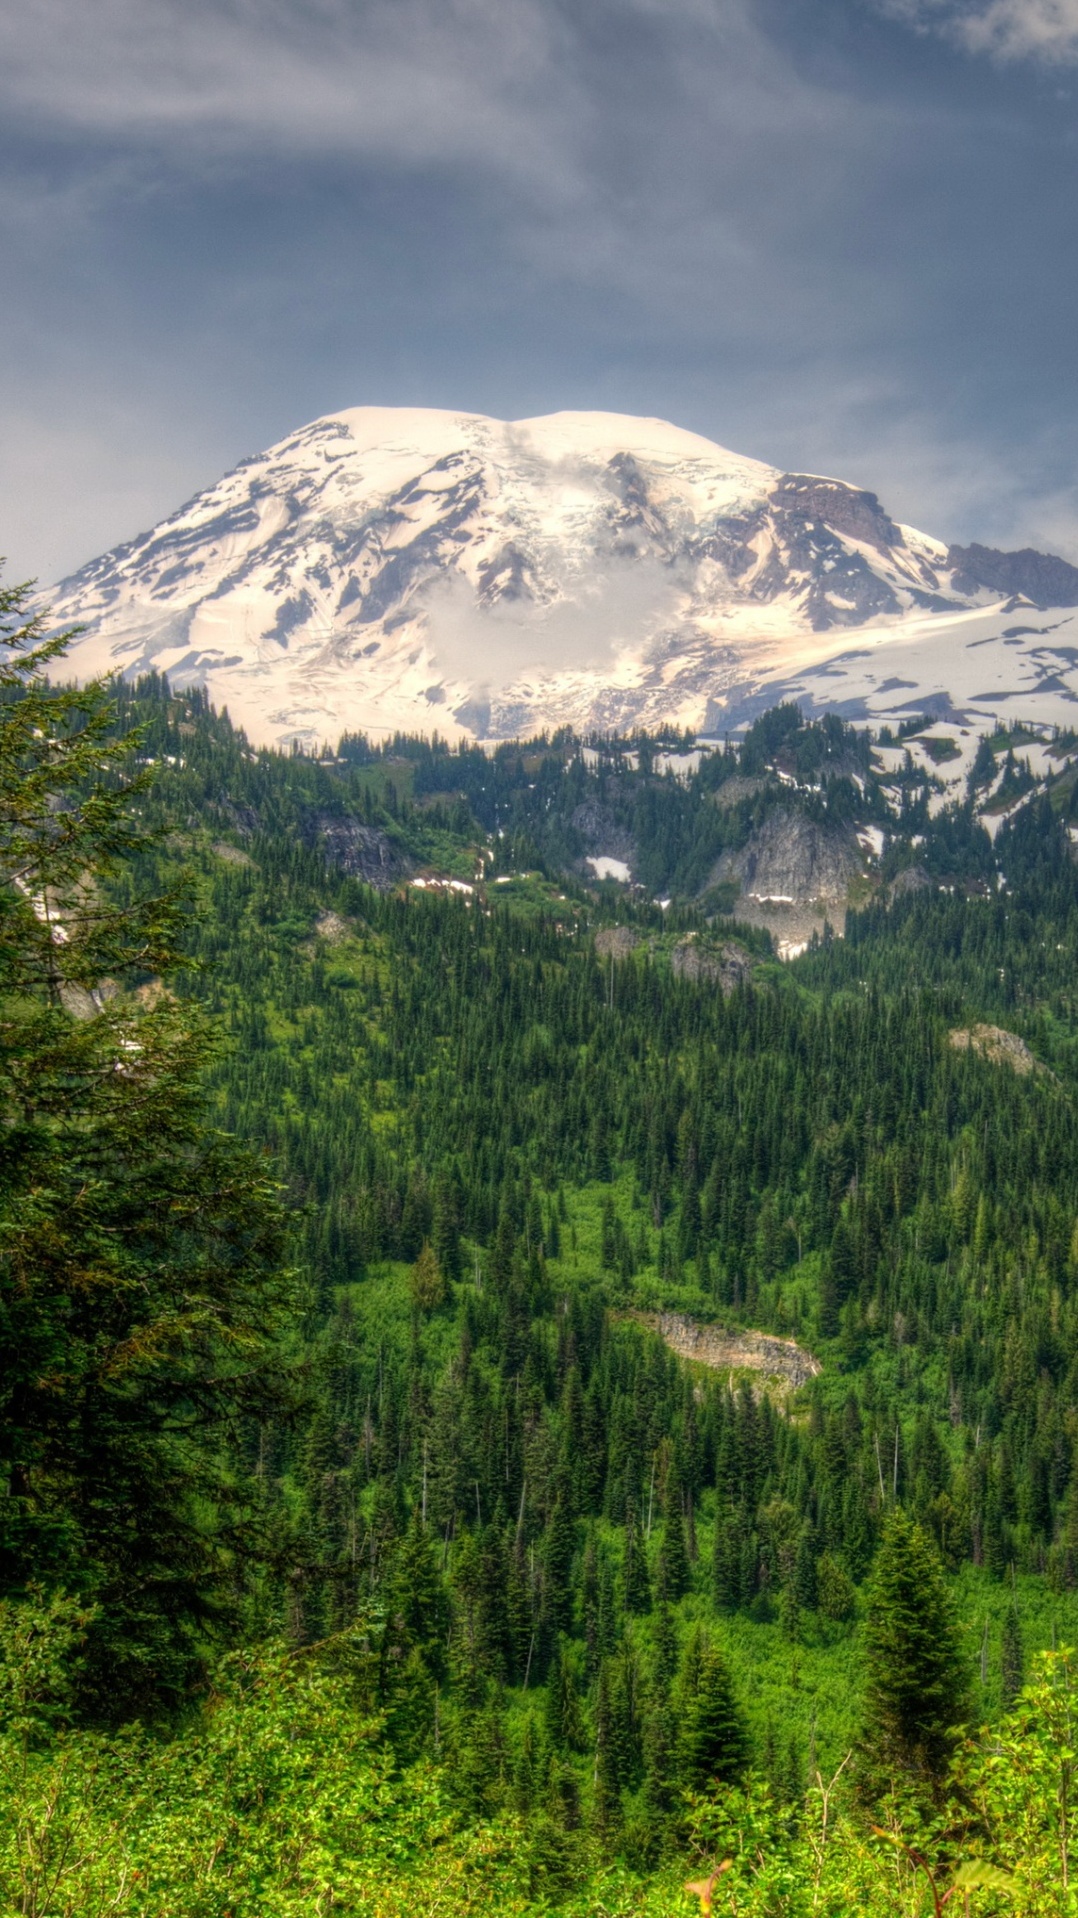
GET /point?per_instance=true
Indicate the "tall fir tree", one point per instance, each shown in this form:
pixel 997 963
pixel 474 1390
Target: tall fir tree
pixel 672 1569
pixel 712 1737
pixel 142 1282
pixel 916 1686
pixel 636 1584
pixel 1012 1658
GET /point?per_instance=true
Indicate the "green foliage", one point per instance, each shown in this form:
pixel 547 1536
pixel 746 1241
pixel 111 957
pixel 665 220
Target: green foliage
pixel 65 820
pixel 277 1799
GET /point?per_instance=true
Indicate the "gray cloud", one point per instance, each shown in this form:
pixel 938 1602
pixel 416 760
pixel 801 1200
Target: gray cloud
pixel 1044 30
pixel 220 217
pixel 411 80
pixel 647 149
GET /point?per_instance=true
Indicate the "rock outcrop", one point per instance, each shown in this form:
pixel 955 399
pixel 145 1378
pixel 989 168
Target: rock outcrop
pixel 1039 577
pixel 331 927
pixel 793 860
pixel 723 1350
pixel 910 879
pixel 616 942
pixel 999 1047
pixel 741 786
pixel 362 851
pixel 728 966
pixel 602 836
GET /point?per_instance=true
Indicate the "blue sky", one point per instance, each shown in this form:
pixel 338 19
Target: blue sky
pixel 840 235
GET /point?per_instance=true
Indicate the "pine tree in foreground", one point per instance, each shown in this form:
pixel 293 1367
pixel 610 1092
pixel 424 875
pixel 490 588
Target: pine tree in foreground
pixel 141 1286
pixel 712 1736
pixel 1012 1659
pixel 916 1675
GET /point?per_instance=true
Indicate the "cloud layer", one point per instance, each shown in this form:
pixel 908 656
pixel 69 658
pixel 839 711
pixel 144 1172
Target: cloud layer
pixel 810 232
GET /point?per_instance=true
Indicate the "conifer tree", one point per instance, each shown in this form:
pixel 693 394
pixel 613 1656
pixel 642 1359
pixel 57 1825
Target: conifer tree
pixel 665 1642
pixel 608 1618
pixel 445 1228
pixel 790 1613
pixel 558 1546
pixel 607 1769
pixel 712 1735
pixel 589 1596
pixel 522 1601
pixel 672 1571
pixel 528 1770
pixel 636 1584
pixel 660 1766
pixel 501 1260
pixel 415 1595
pixel 1012 1658
pixel 834 1588
pixel 142 1290
pixel 564 1724
pixel 726 1559
pixel 916 1675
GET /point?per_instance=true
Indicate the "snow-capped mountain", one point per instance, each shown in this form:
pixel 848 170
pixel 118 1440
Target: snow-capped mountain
pixel 395 568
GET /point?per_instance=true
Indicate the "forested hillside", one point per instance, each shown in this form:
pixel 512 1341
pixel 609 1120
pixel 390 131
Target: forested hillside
pixel 500 1363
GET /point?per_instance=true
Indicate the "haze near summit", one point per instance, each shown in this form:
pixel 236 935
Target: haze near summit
pixel 836 236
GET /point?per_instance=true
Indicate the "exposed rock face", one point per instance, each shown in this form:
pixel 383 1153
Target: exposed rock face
pixel 1039 577
pixel 1000 1047
pixel 836 585
pixel 616 942
pixel 603 837
pixel 844 589
pixel 714 1346
pixel 242 819
pixel 843 508
pixel 361 851
pixel 793 876
pixel 792 860
pixel 740 787
pixel 912 879
pixel 729 967
pixel 331 927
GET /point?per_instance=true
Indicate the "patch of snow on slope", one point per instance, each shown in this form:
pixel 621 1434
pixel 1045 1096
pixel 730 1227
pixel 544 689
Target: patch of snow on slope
pixel 682 765
pixel 966 667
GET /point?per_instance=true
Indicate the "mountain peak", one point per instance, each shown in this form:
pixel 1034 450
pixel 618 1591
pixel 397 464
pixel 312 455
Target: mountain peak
pixel 405 568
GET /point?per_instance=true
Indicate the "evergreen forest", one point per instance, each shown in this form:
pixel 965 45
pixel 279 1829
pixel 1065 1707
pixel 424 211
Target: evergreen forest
pixel 513 1396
